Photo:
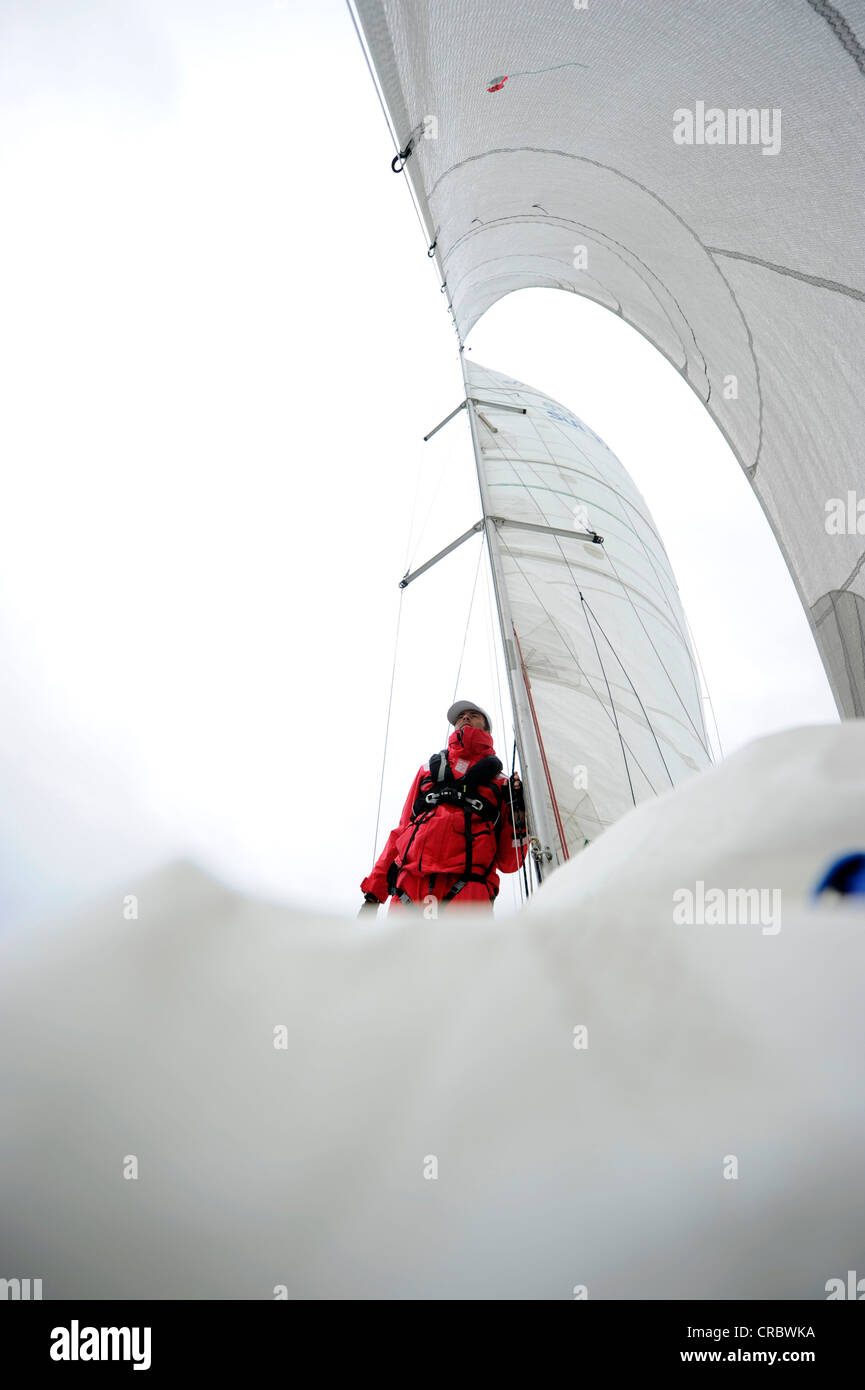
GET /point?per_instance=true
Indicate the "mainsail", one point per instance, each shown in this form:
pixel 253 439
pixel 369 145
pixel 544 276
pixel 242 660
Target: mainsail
pixel 696 169
pixel 603 681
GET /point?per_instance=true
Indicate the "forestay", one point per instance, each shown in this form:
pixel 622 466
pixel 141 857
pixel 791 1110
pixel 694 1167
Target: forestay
pixel 696 169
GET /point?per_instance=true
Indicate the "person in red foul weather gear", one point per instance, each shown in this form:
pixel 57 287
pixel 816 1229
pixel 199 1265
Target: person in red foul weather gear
pixel 463 821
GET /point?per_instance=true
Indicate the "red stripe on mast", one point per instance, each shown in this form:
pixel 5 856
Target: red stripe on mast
pixel 543 753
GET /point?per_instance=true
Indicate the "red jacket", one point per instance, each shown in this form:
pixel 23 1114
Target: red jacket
pixel 437 845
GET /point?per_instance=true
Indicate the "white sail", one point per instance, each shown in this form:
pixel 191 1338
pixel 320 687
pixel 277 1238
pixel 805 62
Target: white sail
pixel 302 1162
pixel 600 643
pixel 696 169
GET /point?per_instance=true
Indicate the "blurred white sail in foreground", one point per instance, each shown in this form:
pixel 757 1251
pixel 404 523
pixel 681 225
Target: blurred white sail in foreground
pixel 284 1080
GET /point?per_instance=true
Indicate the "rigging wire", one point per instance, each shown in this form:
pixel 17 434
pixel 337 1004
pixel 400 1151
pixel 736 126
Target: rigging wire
pixel 408 555
pixel 430 240
pixel 387 727
pixel 489 628
pixel 613 708
pixel 533 499
pixel 708 695
pixel 524 885
pixel 431 247
pixel 468 619
pixel 494 657
pixel 573 656
pixel 439 482
pixel 544 518
pixel 626 588
pixel 588 607
pixel 383 106
pixel 701 738
pixel 554 462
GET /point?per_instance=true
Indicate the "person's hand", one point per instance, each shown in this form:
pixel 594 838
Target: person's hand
pixel 369 904
pixel 518 802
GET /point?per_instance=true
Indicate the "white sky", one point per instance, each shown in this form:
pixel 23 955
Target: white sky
pixel 221 345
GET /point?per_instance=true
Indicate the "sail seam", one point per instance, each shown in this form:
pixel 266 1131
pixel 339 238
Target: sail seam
pixel 662 616
pixel 591 611
pixel 629 526
pixel 819 280
pixel 628 178
pixel 573 656
pixel 612 706
pixel 841 29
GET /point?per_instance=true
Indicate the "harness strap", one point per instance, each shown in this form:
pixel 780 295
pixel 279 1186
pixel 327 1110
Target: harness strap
pixel 426 804
pixel 468 817
pixel 461 883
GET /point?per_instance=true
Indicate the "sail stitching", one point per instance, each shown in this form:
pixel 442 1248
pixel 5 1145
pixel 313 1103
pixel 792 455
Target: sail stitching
pixel 589 610
pixel 627 594
pixel 573 656
pixel 678 630
pixel 535 502
pixel 612 707
pixel 628 178
pixel 841 29
pixel 819 280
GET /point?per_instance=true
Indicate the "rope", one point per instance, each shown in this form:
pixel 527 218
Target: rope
pixel 533 72
pixel 387 727
pixel 524 882
pixel 543 752
pixel 494 654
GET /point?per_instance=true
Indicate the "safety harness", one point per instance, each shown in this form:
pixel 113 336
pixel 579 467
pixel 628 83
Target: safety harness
pixel 440 787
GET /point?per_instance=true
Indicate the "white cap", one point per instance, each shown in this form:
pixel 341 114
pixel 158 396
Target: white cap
pixel 460 708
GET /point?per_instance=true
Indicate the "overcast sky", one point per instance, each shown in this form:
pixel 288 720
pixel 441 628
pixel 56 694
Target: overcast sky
pixel 222 342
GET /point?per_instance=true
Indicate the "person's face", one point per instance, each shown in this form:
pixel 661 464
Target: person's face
pixel 470 718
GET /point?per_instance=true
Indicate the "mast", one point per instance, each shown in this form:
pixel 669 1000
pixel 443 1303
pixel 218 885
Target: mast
pixel 547 848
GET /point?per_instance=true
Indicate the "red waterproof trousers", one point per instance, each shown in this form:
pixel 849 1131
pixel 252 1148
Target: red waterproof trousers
pixel 427 892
